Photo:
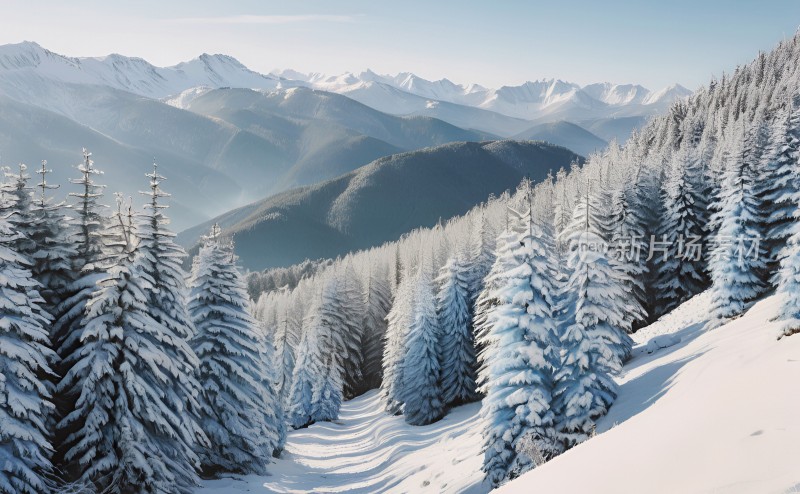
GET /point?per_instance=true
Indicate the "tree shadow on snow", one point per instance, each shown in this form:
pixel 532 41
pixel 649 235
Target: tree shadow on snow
pixel 637 394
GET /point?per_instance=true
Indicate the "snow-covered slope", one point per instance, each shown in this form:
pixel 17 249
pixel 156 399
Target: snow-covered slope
pixel 717 412
pixel 706 411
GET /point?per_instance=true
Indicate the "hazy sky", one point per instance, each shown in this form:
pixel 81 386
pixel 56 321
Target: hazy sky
pixel 654 43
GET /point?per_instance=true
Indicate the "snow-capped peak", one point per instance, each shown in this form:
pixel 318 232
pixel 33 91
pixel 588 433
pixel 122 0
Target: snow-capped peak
pixel 26 63
pixel 667 95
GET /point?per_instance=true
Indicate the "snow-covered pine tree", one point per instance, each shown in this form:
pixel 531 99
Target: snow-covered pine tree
pixel 779 183
pixel 345 315
pixel 273 402
pixel 789 279
pixel 682 274
pixel 317 371
pixel 327 393
pixel 126 428
pixel 86 237
pixel 377 302
pixel 308 371
pixel 628 238
pixel 421 390
pixel 737 261
pixel 233 411
pixel 399 320
pixel 25 357
pixel 51 260
pixel 488 300
pixel 287 342
pixel 456 341
pixel 524 356
pixel 593 341
pixel 17 206
pixel 482 256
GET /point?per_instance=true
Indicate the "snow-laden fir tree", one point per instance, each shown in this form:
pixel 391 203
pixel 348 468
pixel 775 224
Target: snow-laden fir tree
pixel 399 320
pixel 456 341
pixel 681 272
pixel 160 260
pixel 51 259
pixel 592 339
pixel 736 260
pixel 127 427
pixel 25 357
pixel 287 342
pixel 86 238
pixel 17 207
pixel 488 299
pixel 482 256
pixel 519 369
pixel 235 413
pixel 327 394
pixel 421 391
pixel 789 279
pixel 779 183
pixel 377 303
pixel 627 236
pixel 273 403
pixel 344 314
pixel 316 363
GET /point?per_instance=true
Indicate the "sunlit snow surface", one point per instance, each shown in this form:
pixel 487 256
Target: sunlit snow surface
pixel 714 412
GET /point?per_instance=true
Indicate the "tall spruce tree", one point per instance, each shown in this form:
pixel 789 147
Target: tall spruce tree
pixel 737 259
pixel 399 320
pixel 234 413
pixel 421 390
pixel 377 303
pixel 593 341
pixel 517 411
pixel 459 362
pixel 681 272
pixel 778 183
pixel 25 357
pixel 318 372
pixel 128 427
pixel 51 260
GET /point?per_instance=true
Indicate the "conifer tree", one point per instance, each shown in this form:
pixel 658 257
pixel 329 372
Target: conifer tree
pixel 778 183
pixel 51 259
pixel 518 405
pixel 421 390
pixel 681 272
pixel 737 260
pixel 344 313
pixel 488 299
pixel 128 427
pixel 459 363
pixel 234 411
pixel 593 340
pixel 317 373
pixel 287 342
pixel 25 357
pixel 399 320
pixel 273 401
pixel 378 302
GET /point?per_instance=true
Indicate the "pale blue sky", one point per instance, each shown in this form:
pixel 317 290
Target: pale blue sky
pixel 498 42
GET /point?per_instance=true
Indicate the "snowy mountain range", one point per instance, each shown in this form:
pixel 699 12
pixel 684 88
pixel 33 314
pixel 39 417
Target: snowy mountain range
pixel 504 111
pixel 532 101
pixel 227 135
